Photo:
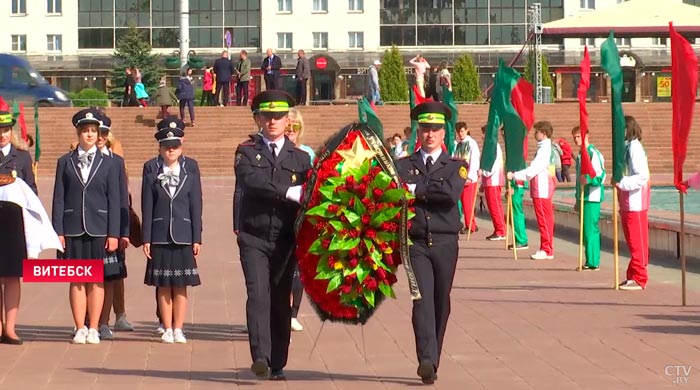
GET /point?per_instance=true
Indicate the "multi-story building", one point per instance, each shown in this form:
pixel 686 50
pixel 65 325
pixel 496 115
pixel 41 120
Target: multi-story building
pixel 72 41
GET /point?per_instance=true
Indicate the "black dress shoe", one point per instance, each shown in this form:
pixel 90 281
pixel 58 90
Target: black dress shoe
pixel 10 341
pixel 277 375
pixel 260 368
pixel 426 372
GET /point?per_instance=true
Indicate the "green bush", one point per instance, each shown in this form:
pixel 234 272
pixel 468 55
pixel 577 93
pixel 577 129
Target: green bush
pixel 465 80
pixel 392 77
pixel 89 97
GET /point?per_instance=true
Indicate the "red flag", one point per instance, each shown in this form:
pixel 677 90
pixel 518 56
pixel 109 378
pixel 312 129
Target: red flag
pixel 523 99
pixel 3 105
pixel 583 85
pixel 684 79
pixel 22 123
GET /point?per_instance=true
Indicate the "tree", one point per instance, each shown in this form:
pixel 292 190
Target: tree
pixel 133 49
pixel 392 77
pixel 546 78
pixel 465 80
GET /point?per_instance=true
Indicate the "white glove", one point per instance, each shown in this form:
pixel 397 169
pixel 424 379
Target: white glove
pixel 294 194
pixel 412 188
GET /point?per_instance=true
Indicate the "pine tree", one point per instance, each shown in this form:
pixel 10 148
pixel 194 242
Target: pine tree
pixel 392 77
pixel 133 49
pixel 465 80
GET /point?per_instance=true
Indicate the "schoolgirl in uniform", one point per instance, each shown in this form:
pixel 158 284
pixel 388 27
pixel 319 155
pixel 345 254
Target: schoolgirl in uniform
pixel 171 208
pixel 86 217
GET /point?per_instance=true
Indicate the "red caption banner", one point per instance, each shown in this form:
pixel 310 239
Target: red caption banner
pixel 63 271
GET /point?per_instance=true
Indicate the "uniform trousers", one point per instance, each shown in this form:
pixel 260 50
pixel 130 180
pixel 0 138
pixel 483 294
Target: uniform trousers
pixel 635 225
pixel 268 310
pixel 544 211
pixel 519 216
pixel 468 196
pixel 434 267
pixel 495 204
pixel 591 233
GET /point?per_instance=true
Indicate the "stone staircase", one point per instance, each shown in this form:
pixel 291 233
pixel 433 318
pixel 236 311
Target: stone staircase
pixel 219 130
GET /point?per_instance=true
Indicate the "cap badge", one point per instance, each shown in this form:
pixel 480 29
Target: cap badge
pixel 88 115
pixel 431 117
pixel 271 105
pixel 172 126
pixel 170 134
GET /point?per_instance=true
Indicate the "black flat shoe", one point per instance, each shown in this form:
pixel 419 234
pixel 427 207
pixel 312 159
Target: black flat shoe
pixel 10 341
pixel 426 372
pixel 277 375
pixel 260 368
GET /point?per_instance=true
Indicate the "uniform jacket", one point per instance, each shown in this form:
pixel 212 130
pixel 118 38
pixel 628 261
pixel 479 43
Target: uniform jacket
pixel 494 177
pixel 541 172
pixel 593 188
pixel 170 219
pixel 19 161
pixel 86 208
pixel 436 194
pixel 468 150
pixel 634 185
pixel 123 195
pixel 265 212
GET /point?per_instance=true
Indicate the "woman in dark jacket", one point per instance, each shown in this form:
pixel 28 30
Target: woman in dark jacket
pixel 185 93
pixel 171 208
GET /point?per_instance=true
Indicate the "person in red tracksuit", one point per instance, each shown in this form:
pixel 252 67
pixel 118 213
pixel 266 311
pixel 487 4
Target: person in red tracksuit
pixel 468 150
pixel 541 174
pixel 491 183
pixel 634 195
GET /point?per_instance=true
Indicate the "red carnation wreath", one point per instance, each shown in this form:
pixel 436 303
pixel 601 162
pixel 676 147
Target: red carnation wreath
pixel 348 235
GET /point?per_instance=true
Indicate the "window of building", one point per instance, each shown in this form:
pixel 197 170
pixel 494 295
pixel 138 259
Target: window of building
pixel 356 40
pixel 356 5
pixel 53 6
pixel 659 41
pixel 590 42
pixel 588 4
pixel 284 5
pixel 623 41
pixel 284 41
pixel 320 40
pixel 19 7
pixel 320 6
pixel 692 2
pixel 19 43
pixel 95 38
pixel 53 42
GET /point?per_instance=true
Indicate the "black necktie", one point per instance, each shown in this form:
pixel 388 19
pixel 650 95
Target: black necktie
pixel 429 163
pixel 273 150
pixel 2 157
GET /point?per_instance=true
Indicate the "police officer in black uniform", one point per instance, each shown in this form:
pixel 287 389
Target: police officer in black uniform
pixel 270 172
pixel 437 182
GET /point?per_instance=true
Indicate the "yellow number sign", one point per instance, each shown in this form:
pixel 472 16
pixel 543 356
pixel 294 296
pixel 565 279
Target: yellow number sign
pixel 663 86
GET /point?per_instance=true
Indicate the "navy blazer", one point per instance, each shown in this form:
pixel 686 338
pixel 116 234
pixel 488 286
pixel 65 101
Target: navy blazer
pixel 171 219
pixel 123 195
pixel 275 66
pixel 90 208
pixel 19 161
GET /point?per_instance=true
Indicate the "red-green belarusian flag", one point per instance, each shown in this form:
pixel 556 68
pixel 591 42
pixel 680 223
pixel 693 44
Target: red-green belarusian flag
pixel 510 90
pixel 684 84
pixel 610 62
pixel 369 117
pixel 583 85
pixel 415 99
pixel 448 99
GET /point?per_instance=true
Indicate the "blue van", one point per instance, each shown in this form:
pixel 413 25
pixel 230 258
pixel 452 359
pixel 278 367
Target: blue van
pixel 22 83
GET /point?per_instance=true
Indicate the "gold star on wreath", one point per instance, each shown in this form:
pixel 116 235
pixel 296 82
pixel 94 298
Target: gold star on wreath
pixel 355 156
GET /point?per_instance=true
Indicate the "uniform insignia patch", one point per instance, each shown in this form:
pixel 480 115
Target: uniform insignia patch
pixel 257 157
pixel 463 172
pixel 294 178
pixel 238 158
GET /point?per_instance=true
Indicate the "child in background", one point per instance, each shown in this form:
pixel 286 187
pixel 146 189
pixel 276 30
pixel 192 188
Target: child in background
pixel 140 90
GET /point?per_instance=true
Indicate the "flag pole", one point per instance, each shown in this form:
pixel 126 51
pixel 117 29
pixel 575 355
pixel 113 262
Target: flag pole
pixel 512 227
pixel 682 245
pixel 471 221
pixel 580 235
pixel 616 259
pixel 508 208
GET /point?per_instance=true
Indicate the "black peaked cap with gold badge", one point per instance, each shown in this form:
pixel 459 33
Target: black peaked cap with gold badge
pixel 170 132
pixel 6 119
pixel 87 115
pixel 272 101
pixel 432 114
